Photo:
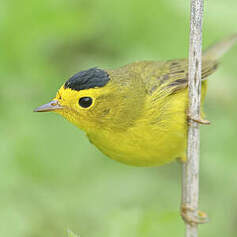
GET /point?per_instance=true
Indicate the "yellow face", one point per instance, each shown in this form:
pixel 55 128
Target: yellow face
pixel 107 108
pixel 88 108
pixel 96 99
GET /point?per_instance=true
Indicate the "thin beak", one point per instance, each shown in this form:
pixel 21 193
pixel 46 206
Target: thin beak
pixel 51 106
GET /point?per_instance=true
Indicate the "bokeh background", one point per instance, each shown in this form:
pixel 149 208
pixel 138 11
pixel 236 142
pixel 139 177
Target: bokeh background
pixel 51 178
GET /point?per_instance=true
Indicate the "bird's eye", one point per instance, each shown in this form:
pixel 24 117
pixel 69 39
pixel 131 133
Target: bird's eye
pixel 85 102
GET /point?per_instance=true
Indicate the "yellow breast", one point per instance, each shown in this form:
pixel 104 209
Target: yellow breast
pixel 156 138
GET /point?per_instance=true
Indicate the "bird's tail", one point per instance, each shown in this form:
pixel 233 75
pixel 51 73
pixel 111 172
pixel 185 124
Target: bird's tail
pixel 216 51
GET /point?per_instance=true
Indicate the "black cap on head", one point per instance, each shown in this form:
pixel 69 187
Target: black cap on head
pixel 90 78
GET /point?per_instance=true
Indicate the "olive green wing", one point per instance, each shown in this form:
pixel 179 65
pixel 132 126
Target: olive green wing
pixel 177 72
pixel 170 75
pixel 163 76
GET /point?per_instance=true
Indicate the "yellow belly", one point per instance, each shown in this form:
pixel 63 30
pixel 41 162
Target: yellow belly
pixel 157 138
pixel 148 148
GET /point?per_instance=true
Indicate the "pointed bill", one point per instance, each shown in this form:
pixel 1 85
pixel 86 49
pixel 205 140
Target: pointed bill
pixel 51 106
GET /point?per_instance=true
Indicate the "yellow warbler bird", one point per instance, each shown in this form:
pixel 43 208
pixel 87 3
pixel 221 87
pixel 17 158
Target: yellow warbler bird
pixel 136 114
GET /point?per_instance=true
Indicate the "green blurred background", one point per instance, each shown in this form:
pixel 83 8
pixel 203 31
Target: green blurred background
pixel 51 178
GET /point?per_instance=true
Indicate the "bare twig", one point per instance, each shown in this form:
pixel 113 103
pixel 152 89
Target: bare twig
pixel 190 189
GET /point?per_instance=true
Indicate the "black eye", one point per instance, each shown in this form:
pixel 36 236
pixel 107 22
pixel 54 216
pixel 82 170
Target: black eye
pixel 85 102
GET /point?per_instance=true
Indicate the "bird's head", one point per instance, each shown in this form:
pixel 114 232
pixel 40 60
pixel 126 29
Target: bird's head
pixel 96 98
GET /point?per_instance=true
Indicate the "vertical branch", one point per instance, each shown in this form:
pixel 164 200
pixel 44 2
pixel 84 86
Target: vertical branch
pixel 190 186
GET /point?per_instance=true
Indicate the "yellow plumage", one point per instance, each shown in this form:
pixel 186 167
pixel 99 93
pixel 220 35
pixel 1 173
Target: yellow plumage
pixel 135 114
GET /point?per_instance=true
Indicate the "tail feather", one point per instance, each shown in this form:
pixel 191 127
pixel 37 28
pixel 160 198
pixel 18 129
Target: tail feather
pixel 216 51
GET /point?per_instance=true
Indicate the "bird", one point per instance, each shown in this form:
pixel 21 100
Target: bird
pixel 135 114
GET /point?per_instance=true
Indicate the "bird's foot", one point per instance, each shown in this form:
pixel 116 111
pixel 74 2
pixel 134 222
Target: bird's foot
pixel 181 160
pixel 189 216
pixel 198 120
